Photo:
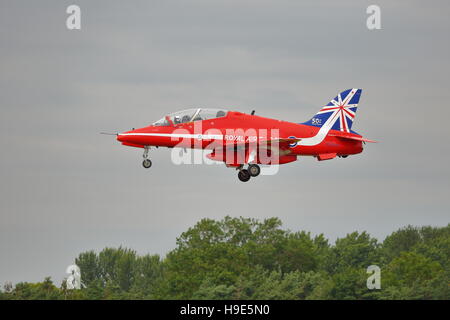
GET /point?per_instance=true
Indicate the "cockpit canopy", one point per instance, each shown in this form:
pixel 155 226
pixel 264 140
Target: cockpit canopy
pixel 191 115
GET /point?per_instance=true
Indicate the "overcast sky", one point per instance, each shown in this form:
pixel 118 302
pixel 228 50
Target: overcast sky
pixel 65 189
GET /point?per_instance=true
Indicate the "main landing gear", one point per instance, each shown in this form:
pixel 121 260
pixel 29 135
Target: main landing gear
pixel 147 163
pixel 244 175
pixel 253 170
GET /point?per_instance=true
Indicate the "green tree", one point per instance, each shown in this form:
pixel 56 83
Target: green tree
pixel 242 258
pixel 89 267
pixel 356 250
pixel 400 241
pixel 45 290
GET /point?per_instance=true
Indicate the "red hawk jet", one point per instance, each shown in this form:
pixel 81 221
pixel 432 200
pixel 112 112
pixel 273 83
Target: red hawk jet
pixel 245 141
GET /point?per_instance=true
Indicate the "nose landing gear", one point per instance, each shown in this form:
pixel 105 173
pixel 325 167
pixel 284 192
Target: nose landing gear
pixel 147 163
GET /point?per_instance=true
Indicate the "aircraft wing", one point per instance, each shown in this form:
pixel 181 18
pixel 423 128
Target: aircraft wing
pixel 277 147
pixel 282 143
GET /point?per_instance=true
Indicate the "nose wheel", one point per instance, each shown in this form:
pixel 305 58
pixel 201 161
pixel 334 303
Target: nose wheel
pixel 147 163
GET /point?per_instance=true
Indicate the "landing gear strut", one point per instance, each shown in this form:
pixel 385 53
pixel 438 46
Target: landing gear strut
pixel 147 163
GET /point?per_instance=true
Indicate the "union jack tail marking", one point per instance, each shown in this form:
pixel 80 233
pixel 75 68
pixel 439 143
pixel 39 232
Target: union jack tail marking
pixel 339 113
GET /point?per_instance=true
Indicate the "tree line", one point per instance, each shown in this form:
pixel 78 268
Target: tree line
pixel 243 258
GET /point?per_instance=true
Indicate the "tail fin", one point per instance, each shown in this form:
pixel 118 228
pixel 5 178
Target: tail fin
pixel 339 113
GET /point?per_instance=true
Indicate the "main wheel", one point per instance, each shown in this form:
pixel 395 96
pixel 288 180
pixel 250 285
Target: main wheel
pixel 244 175
pixel 254 170
pixel 147 163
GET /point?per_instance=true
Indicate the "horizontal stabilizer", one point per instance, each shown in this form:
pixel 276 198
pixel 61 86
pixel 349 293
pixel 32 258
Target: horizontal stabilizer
pixel 352 137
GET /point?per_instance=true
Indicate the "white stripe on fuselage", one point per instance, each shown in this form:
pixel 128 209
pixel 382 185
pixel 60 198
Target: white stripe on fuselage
pixel 312 141
pixel 177 135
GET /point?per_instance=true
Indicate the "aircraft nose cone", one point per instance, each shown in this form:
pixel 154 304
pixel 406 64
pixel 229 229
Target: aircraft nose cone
pixel 121 137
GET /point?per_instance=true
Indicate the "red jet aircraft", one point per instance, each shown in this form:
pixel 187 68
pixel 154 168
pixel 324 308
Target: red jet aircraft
pixel 246 140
